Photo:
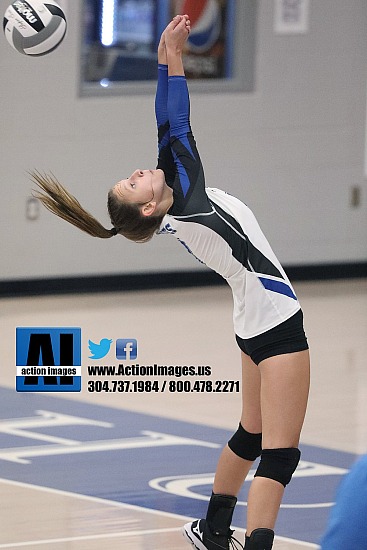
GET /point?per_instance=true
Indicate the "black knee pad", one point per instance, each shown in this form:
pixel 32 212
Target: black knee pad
pixel 245 444
pixel 260 539
pixel 278 464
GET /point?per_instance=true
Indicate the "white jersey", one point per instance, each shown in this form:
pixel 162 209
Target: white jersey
pixel 217 228
pixel 228 239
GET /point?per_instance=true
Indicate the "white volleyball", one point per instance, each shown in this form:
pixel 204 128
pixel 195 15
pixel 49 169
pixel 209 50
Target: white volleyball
pixel 33 27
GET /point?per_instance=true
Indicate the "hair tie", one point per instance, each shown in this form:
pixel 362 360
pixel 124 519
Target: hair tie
pixel 113 231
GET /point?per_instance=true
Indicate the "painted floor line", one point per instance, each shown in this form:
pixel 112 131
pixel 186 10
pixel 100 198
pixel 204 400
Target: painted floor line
pixel 128 507
pixel 90 537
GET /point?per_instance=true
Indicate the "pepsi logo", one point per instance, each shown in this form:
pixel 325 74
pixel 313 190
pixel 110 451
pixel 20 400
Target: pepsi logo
pixel 206 22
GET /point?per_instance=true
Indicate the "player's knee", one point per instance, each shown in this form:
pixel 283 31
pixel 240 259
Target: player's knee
pixel 278 464
pixel 244 444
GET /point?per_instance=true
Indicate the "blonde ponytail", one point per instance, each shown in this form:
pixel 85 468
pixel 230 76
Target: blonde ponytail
pixel 60 202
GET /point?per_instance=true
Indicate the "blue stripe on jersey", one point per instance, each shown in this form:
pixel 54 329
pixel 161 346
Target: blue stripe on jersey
pixel 182 174
pixel 278 286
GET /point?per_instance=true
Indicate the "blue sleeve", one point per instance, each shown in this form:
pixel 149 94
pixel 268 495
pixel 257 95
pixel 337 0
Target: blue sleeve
pixel 189 184
pixel 347 523
pixel 165 158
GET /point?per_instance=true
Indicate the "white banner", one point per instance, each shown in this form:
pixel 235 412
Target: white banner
pixel 291 16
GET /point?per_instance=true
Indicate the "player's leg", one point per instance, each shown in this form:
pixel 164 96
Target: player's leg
pixel 284 393
pixel 233 466
pixel 245 445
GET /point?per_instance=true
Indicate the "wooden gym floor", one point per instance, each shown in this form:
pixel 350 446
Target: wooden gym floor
pixel 191 326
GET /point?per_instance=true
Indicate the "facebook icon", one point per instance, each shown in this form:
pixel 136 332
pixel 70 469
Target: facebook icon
pixel 126 349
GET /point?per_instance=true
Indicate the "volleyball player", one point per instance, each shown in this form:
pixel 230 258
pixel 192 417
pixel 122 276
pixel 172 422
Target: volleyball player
pixel 221 232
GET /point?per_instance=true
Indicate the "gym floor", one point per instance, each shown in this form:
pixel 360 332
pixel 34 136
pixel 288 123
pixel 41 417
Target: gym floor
pixel 88 470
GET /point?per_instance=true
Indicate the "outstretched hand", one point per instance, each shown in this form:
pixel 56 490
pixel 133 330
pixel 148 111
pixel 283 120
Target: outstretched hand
pixel 176 33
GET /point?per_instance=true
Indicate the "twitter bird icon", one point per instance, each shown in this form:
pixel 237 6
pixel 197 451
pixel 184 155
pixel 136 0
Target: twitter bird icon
pixel 99 350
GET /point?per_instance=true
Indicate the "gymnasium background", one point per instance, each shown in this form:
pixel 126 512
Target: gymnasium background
pixel 293 149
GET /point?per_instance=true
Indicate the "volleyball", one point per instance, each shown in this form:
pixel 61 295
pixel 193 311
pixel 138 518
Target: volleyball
pixel 33 27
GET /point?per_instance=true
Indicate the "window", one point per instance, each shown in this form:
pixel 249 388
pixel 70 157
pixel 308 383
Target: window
pixel 120 39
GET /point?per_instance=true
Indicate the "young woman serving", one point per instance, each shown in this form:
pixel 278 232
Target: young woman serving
pixel 221 232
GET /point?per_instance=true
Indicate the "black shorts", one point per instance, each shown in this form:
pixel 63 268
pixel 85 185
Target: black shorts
pixel 288 337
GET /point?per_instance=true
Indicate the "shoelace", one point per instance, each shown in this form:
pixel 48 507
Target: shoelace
pixel 235 543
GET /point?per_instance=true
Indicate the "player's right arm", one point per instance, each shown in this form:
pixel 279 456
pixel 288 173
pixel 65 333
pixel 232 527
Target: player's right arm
pixel 165 158
pixel 189 171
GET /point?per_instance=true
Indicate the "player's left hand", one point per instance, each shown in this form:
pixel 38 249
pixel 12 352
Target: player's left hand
pixel 177 32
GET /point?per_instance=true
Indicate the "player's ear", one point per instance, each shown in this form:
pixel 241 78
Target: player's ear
pixel 149 208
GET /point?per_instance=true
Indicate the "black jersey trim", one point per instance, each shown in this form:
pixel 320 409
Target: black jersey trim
pixel 215 223
pixel 255 260
pixel 211 213
pixel 163 129
pixel 188 194
pixel 242 248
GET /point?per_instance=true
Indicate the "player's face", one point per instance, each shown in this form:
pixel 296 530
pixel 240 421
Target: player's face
pixel 143 186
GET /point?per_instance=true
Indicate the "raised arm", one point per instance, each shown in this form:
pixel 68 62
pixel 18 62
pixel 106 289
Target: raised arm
pixel 165 158
pixel 162 85
pixel 189 178
pixel 178 102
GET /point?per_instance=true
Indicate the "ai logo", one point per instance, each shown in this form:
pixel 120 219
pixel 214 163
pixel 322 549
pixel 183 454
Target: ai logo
pixel 48 359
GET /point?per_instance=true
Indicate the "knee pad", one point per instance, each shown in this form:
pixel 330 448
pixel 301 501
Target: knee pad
pixel 260 539
pixel 278 464
pixel 245 445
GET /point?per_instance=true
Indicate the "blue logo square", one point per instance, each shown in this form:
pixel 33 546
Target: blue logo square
pixel 126 349
pixel 48 359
